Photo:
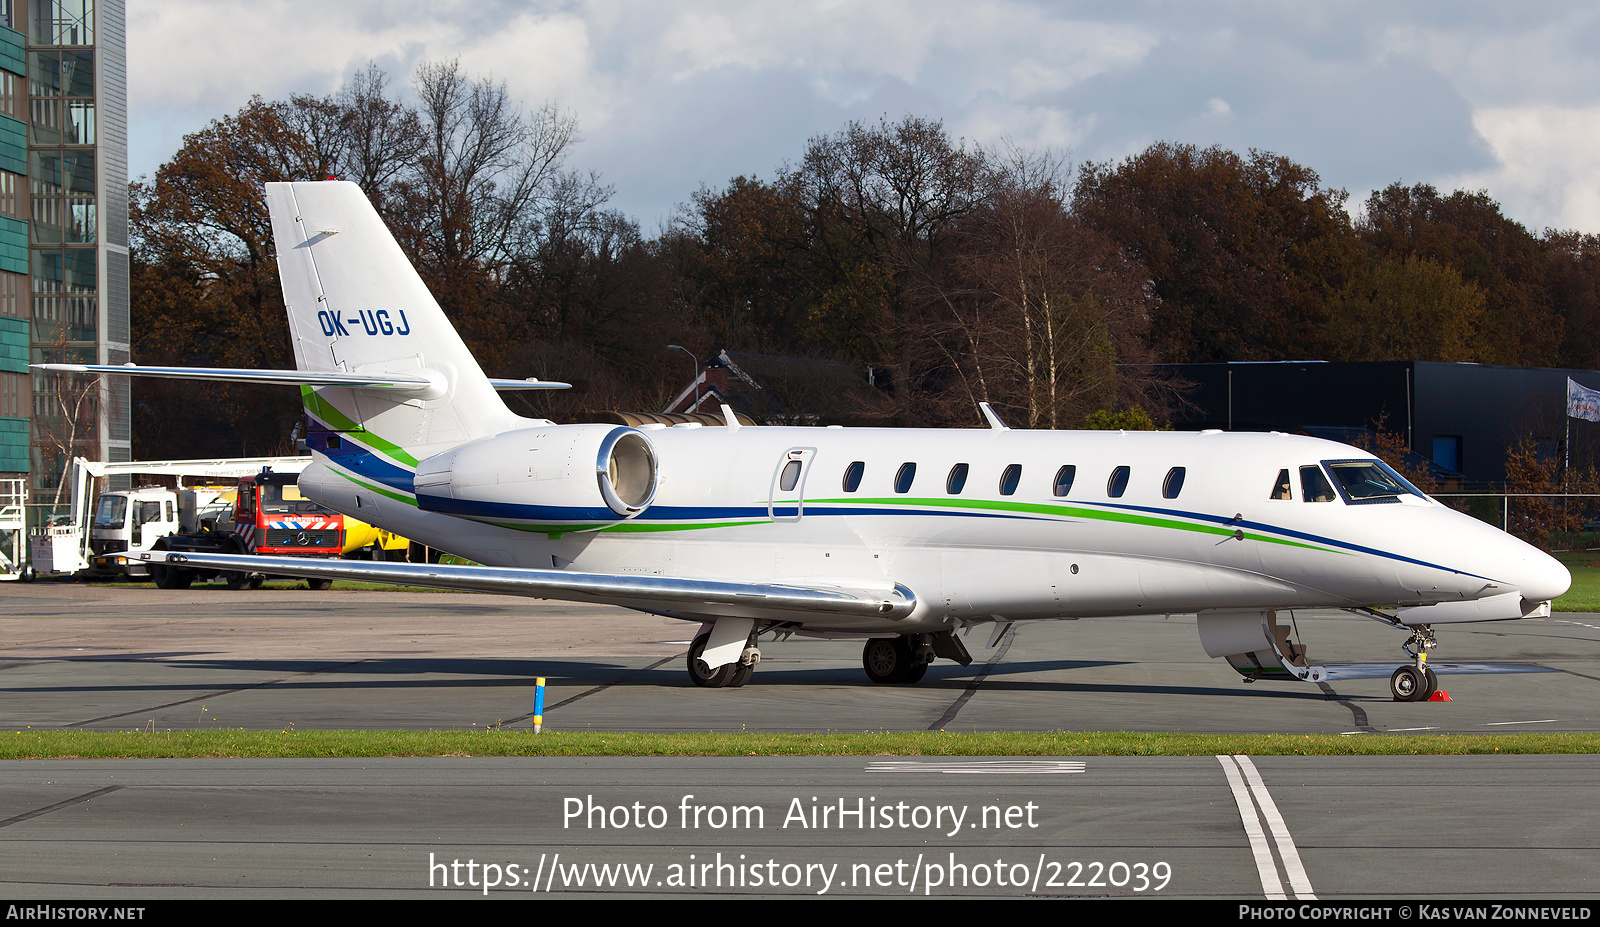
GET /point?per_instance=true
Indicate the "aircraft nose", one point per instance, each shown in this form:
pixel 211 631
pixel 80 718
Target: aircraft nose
pixel 1543 578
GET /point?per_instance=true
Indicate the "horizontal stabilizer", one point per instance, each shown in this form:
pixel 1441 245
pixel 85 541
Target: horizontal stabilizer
pixel 512 385
pixel 392 382
pixel 387 381
pixel 645 593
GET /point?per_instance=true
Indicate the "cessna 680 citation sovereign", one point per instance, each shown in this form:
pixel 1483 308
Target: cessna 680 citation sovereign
pixel 901 537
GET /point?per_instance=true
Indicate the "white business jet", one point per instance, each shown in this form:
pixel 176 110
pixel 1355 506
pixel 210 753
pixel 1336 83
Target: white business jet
pixel 907 538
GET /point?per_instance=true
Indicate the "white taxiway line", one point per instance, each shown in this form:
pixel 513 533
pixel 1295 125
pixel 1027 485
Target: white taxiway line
pixel 1246 783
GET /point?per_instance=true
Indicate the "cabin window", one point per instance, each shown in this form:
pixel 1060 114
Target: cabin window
pixel 790 476
pixel 1314 487
pixel 1010 479
pixel 1281 489
pixel 1118 484
pixel 902 480
pixel 852 476
pixel 957 480
pixel 1173 484
pixel 1063 481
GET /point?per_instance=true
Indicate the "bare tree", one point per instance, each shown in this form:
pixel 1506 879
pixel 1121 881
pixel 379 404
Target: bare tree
pixel 487 169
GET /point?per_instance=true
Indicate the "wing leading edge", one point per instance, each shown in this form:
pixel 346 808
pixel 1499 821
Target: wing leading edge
pixel 657 594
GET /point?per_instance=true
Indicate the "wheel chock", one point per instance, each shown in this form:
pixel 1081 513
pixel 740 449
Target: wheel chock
pixel 1439 695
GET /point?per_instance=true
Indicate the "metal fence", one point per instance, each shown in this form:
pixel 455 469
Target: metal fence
pixel 1497 508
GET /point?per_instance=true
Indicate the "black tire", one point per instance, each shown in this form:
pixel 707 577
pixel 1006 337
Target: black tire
pixel 256 579
pixel 702 675
pixel 1432 685
pixel 1407 684
pixel 27 575
pixel 885 659
pixel 741 675
pixel 320 585
pixel 236 579
pixel 168 577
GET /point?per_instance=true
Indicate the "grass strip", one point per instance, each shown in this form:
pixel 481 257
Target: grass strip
pixel 522 742
pixel 1584 596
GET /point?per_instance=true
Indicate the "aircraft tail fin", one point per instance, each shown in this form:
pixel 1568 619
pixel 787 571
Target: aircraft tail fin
pixel 357 307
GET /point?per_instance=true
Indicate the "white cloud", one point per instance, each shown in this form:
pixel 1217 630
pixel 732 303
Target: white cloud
pixel 1549 171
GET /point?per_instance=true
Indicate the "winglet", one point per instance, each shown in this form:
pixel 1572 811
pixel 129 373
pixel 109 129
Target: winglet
pixel 730 418
pixel 991 418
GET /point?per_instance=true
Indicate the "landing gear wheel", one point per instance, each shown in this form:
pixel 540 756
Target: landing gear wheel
pixel 237 580
pixel 1432 684
pixel 319 584
pixel 256 579
pixel 27 575
pixel 704 676
pixel 741 675
pixel 1408 684
pixel 891 660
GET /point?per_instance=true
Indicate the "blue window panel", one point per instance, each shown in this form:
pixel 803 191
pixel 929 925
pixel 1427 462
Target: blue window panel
pixel 14 446
pixel 13 345
pixel 13 245
pixel 13 51
pixel 13 145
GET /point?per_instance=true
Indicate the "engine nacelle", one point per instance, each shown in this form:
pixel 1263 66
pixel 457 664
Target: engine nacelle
pixel 557 474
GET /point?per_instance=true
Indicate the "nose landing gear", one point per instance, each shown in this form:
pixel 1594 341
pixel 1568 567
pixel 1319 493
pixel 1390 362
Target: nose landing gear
pixel 1418 681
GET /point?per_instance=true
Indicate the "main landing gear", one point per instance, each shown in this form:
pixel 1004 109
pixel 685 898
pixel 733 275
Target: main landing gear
pixel 1417 681
pixel 731 676
pixel 898 660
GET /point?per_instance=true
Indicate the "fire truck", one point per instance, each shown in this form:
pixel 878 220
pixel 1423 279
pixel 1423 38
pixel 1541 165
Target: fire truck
pixel 269 516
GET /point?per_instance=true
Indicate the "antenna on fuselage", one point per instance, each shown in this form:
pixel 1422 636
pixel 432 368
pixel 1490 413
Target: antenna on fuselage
pixel 990 416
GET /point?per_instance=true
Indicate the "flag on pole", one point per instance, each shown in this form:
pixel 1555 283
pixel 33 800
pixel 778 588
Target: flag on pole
pixel 1582 402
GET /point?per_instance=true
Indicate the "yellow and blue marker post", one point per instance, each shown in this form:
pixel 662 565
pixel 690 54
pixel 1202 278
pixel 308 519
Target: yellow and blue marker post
pixel 538 704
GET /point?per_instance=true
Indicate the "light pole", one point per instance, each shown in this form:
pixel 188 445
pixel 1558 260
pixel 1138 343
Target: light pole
pixel 679 347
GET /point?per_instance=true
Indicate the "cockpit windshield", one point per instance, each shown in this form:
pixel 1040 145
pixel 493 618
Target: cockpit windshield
pixel 1370 481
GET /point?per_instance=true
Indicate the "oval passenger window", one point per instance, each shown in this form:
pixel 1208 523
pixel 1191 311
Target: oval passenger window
pixel 957 480
pixel 1064 478
pixel 1009 479
pixel 852 476
pixel 902 480
pixel 1118 484
pixel 790 476
pixel 1173 484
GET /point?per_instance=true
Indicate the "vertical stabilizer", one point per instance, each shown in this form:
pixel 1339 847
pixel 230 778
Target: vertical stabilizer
pixel 357 305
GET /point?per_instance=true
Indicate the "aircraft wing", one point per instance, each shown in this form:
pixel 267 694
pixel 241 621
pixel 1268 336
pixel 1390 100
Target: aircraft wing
pixel 395 382
pixel 649 593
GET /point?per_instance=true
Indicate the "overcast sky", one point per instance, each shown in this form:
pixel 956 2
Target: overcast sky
pixel 1481 94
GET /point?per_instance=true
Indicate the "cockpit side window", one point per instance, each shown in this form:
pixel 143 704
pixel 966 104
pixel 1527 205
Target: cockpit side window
pixel 1280 488
pixel 1314 487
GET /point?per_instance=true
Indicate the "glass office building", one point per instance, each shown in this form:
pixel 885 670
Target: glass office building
pixel 63 235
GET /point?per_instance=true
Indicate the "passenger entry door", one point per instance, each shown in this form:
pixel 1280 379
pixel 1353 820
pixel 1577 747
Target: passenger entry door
pixel 786 500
